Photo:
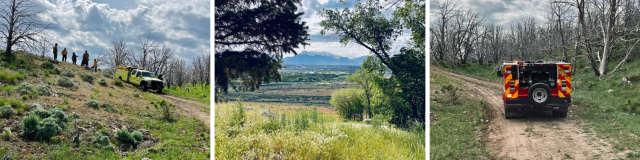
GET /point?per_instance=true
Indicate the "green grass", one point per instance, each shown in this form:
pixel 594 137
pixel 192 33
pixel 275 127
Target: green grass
pixel 198 92
pixel 308 134
pixel 8 88
pixel 603 110
pixel 179 140
pixel 453 135
pixel 483 71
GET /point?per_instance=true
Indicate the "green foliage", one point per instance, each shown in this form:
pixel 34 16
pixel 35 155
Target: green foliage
pixel 30 125
pixel 102 82
pixel 106 105
pixel 47 65
pixel 87 78
pixel 99 139
pixel 26 88
pixel 56 71
pixel 125 137
pixel 58 114
pixel 118 83
pixel 136 94
pixel 43 90
pixel 631 106
pixel 137 135
pixel 107 74
pixel 238 117
pixel 25 97
pixel 6 111
pixel 6 135
pixel 65 82
pixel 41 113
pixel 110 93
pixel 46 73
pixel 92 104
pixel 69 74
pixel 198 93
pixel 348 102
pixel 165 108
pixel 450 93
pixel 307 77
pixel 7 88
pixel 48 128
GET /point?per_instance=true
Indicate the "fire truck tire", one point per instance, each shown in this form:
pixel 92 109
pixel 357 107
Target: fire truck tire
pixel 507 114
pixel 560 114
pixel 539 94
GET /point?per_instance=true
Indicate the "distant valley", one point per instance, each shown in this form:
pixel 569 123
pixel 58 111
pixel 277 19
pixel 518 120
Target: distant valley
pixel 322 58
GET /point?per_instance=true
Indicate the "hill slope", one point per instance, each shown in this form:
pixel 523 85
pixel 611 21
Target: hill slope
pixel 184 135
pixel 322 58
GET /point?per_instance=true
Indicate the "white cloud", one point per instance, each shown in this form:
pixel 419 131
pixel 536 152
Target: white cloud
pixel 85 25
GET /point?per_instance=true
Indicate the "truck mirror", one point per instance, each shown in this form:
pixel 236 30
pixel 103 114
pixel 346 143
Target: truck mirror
pixel 499 73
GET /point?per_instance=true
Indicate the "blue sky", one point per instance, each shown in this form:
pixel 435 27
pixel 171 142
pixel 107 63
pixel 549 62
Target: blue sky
pixel 80 25
pixel 324 43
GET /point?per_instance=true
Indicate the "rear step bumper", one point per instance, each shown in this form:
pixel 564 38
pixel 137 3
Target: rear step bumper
pixel 554 103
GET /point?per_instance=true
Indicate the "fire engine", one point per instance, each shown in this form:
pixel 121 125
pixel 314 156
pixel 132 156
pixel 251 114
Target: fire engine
pixel 536 85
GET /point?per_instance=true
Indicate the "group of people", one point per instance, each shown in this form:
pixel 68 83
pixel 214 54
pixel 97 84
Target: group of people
pixel 85 57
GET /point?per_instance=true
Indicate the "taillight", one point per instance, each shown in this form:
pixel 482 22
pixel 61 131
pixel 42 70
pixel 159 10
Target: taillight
pixel 508 70
pixel 563 83
pixel 567 68
pixel 512 85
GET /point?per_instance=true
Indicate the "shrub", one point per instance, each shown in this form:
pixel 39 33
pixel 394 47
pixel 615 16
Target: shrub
pixel 106 105
pixel 238 116
pixel 110 94
pixel 92 104
pixel 30 125
pixel 136 94
pixel 43 90
pixel 52 61
pixel 48 128
pixel 59 114
pixel 41 113
pixel 25 97
pixel 47 65
pixel 99 139
pixel 118 83
pixel 87 78
pixel 451 93
pixel 631 106
pixel 56 71
pixel 102 82
pixel 107 74
pixel 137 135
pixel 125 137
pixel 26 88
pixel 6 135
pixel 46 73
pixel 69 74
pixel 6 111
pixel 165 108
pixel 65 82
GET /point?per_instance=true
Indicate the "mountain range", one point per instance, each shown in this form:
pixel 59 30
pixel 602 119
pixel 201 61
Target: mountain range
pixel 322 58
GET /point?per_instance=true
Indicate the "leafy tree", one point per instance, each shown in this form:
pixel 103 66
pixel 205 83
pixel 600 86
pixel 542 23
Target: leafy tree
pixel 348 102
pixel 251 37
pixel 366 78
pixel 366 25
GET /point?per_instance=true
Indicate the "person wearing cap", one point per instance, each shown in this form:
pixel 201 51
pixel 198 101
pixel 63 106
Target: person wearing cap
pixel 95 64
pixel 64 55
pixel 73 58
pixel 55 51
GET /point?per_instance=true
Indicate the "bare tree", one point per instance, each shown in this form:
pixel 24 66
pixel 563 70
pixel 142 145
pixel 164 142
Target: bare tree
pixel 147 47
pixel 446 10
pixel 159 58
pixel 19 23
pixel 42 46
pixel 118 53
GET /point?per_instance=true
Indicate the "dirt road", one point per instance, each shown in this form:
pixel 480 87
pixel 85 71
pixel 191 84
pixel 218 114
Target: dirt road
pixel 534 135
pixel 190 107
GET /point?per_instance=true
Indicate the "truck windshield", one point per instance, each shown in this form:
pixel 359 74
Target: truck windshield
pixel 148 74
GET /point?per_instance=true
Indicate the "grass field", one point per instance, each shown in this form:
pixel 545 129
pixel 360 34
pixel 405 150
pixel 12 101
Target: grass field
pixel 293 92
pixel 198 92
pixel 455 123
pixel 306 134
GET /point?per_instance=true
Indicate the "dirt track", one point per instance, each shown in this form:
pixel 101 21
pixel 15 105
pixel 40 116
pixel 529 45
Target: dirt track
pixel 190 107
pixel 535 135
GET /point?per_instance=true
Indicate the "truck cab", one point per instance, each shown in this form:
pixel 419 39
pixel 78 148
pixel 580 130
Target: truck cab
pixel 536 85
pixel 141 78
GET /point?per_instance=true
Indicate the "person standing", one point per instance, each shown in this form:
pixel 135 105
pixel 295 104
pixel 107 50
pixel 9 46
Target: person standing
pixel 95 64
pixel 73 58
pixel 85 59
pixel 55 52
pixel 64 55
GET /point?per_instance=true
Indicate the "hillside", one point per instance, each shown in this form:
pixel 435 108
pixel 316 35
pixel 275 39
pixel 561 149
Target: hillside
pixel 121 123
pixel 321 58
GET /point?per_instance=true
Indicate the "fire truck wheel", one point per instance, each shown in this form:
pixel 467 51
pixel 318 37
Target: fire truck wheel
pixel 539 94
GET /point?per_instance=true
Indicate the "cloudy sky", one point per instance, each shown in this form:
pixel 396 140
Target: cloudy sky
pixel 80 25
pixel 325 43
pixel 504 12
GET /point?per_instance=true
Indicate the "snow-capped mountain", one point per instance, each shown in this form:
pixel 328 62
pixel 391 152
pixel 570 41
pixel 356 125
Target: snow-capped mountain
pixel 322 58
